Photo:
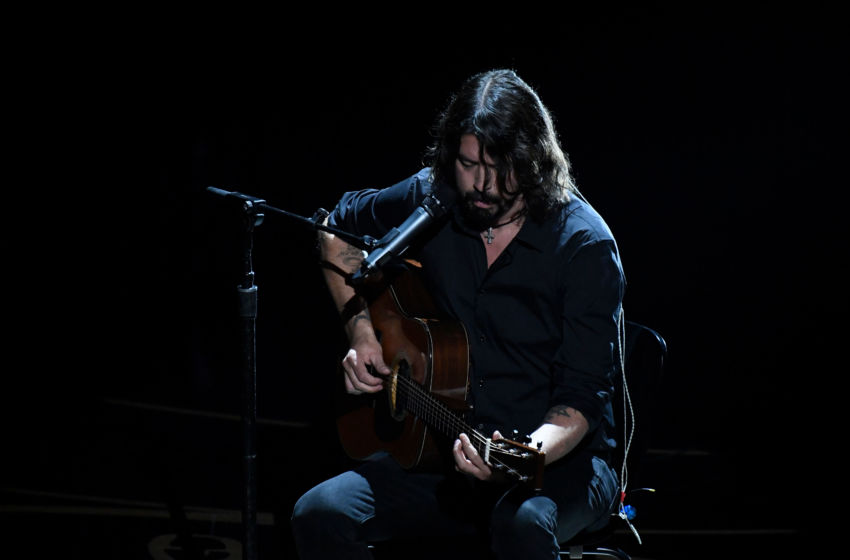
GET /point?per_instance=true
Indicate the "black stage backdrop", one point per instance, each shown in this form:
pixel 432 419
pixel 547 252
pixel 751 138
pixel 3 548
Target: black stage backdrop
pixel 703 141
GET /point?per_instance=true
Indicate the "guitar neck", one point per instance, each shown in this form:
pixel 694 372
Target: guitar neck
pixel 516 460
pixel 436 414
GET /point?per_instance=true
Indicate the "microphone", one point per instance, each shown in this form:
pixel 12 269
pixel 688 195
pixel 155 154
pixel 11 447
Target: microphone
pixel 398 239
pixel 243 198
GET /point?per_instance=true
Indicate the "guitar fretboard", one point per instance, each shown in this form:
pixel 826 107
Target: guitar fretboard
pixel 437 415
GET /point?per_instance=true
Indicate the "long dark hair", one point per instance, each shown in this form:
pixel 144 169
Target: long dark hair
pixel 515 128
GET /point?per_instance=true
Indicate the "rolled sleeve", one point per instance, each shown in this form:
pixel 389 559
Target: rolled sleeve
pixel 587 359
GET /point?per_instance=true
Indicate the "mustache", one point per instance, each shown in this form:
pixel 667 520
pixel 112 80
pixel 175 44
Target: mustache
pixel 476 196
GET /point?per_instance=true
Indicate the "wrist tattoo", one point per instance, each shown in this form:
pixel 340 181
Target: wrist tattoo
pixel 354 307
pixel 360 317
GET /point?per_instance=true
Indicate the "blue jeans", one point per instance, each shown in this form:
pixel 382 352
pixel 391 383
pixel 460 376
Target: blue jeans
pixel 379 500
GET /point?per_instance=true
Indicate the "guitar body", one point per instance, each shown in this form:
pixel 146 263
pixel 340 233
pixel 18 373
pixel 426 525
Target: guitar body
pixel 420 348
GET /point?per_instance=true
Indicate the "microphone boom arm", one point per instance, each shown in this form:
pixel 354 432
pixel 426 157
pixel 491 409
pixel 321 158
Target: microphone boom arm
pixel 365 242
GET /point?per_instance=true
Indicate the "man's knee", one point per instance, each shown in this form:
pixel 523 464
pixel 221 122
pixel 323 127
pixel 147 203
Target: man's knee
pixel 530 525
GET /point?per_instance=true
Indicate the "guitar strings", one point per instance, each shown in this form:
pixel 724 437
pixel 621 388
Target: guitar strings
pixel 445 418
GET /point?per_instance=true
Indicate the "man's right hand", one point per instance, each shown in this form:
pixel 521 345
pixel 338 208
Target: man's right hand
pixel 364 358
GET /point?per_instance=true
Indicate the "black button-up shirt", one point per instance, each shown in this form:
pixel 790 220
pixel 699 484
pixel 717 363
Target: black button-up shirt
pixel 542 321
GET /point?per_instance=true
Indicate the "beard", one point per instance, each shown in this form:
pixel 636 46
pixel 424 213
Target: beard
pixel 480 219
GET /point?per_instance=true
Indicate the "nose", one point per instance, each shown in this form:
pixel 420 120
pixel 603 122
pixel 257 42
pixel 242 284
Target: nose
pixel 482 179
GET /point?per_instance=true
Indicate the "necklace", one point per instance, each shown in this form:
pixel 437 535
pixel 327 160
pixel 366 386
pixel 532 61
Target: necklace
pixel 489 234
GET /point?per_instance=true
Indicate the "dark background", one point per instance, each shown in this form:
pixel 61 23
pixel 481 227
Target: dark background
pixel 704 139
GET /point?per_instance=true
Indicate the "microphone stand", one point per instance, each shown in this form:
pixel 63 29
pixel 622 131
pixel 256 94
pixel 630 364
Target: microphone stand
pixel 253 209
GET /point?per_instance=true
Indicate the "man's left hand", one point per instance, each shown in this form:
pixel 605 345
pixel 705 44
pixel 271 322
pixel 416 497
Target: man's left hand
pixel 468 460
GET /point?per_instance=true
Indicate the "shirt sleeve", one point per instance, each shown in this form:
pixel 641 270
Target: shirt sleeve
pixel 374 212
pixel 587 359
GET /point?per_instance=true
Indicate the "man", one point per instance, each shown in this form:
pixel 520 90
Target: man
pixel 533 274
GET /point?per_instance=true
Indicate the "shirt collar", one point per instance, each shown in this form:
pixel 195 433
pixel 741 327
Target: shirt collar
pixel 531 233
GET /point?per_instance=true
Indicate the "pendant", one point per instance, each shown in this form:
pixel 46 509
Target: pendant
pixel 489 236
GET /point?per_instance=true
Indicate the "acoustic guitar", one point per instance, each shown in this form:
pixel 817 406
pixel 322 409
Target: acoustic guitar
pixel 422 408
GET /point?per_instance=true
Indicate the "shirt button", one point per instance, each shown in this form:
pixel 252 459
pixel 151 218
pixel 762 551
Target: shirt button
pixel 480 426
pixel 480 382
pixel 482 338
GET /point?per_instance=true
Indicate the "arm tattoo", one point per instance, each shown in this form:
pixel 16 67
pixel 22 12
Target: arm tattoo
pixel 351 257
pixel 559 410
